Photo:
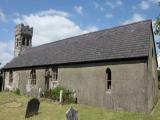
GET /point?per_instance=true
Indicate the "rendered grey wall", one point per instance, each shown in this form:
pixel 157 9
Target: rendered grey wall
pixel 128 90
pixel 152 85
pixel 128 84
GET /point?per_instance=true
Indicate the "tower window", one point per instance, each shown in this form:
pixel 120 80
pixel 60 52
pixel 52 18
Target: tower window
pixel 17 42
pixel 33 77
pixel 23 41
pixel 108 79
pixel 28 42
pixel 10 76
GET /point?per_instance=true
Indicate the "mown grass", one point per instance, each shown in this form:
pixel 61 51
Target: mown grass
pixel 54 111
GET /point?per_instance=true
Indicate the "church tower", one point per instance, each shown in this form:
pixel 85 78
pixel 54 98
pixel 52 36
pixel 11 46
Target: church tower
pixel 23 39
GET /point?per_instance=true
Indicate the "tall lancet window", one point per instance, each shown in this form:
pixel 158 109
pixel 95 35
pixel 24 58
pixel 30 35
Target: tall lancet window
pixel 108 79
pixel 54 73
pixel 33 77
pixel 23 41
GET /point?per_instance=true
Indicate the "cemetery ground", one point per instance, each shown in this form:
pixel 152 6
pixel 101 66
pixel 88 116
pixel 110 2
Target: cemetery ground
pixel 13 107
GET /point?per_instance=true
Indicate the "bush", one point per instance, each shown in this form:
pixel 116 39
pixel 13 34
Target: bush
pixel 54 95
pixel 17 91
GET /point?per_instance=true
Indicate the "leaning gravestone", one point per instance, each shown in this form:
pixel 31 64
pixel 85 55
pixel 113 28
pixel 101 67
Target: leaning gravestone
pixel 32 107
pixel 72 114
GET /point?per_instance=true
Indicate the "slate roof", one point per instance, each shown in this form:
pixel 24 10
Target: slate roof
pixel 128 41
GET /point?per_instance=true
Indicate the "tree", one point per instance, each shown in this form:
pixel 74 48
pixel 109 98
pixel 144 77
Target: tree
pixel 157 25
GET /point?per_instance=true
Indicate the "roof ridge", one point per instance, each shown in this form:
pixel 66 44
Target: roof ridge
pixel 116 27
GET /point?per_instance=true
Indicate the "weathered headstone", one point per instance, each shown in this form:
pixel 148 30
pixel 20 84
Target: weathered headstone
pixel 75 96
pixel 32 107
pixel 72 114
pixel 61 96
pixel 39 92
pixel 34 92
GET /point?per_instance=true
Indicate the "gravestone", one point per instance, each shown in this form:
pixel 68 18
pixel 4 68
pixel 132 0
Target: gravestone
pixel 61 96
pixel 32 107
pixel 75 96
pixel 39 92
pixel 34 92
pixel 72 114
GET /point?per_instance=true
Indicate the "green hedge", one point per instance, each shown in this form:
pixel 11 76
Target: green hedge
pixel 54 95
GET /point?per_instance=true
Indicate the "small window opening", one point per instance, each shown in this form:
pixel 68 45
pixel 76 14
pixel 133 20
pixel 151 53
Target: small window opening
pixel 54 73
pixel 27 41
pixel 23 41
pixel 108 79
pixel 33 77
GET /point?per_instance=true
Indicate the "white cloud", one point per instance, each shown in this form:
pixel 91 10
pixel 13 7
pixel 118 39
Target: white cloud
pixel 6 52
pixel 119 2
pixel 113 4
pixel 155 1
pixel 52 25
pixel 135 18
pixel 79 9
pixel 98 6
pixel 109 15
pixel 2 16
pixel 144 5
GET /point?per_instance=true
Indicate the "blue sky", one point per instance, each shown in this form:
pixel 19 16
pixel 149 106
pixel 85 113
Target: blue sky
pixel 58 19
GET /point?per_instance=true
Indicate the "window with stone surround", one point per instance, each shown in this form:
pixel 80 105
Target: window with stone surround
pixel 33 77
pixel 108 79
pixel 28 41
pixel 23 41
pixel 54 74
pixel 47 73
pixel 10 76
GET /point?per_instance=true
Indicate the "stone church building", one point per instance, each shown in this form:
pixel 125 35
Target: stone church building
pixel 113 68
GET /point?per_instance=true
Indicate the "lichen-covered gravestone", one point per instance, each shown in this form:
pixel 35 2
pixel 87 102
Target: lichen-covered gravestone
pixel 61 96
pixel 32 107
pixel 72 114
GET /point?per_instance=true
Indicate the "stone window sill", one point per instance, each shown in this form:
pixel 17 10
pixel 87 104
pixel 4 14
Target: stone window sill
pixel 108 92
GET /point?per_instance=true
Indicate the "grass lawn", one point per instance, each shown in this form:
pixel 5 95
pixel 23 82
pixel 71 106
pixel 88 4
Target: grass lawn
pixel 13 107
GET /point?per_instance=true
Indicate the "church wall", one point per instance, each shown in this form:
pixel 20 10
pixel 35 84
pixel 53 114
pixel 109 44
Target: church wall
pixel 22 77
pixel 14 84
pixel 152 86
pixel 88 80
pixel 128 84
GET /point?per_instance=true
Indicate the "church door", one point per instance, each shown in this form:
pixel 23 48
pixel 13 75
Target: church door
pixel 46 82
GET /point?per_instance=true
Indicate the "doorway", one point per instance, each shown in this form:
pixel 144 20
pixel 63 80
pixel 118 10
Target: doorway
pixel 47 83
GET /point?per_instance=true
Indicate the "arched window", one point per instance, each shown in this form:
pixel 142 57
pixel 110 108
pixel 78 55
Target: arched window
pixel 33 77
pixel 47 76
pixel 54 73
pixel 17 42
pixel 23 41
pixel 108 79
pixel 47 73
pixel 27 41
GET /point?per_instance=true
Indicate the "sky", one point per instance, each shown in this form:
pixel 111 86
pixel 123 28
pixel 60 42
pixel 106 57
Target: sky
pixel 54 20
